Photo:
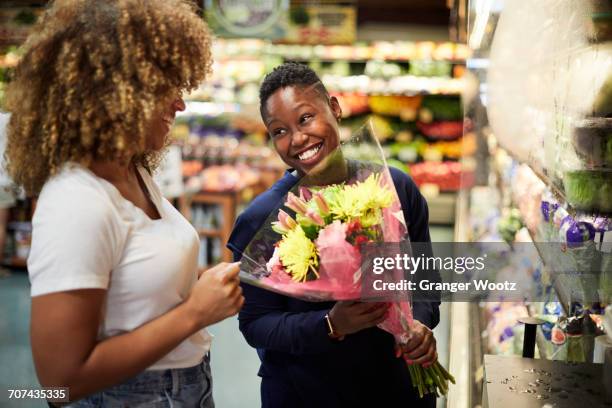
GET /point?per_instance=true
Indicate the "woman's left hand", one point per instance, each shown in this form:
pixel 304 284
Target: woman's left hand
pixel 421 346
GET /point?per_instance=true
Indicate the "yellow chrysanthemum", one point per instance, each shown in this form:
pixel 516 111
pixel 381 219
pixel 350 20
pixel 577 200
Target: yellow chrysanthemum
pixel 298 254
pixel 363 200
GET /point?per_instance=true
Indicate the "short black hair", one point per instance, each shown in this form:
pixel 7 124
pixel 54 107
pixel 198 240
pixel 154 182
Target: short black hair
pixel 289 74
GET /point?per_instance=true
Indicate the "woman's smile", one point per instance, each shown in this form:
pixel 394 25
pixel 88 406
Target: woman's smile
pixel 311 154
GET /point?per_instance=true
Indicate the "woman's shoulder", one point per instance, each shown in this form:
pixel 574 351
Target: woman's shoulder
pixel 73 181
pixel 76 191
pixel 405 186
pixel 401 177
pixel 253 217
pixel 261 207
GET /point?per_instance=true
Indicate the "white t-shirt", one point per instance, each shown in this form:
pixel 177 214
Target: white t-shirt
pixel 87 235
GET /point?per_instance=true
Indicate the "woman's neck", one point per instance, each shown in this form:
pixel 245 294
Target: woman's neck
pixel 112 171
pixel 333 170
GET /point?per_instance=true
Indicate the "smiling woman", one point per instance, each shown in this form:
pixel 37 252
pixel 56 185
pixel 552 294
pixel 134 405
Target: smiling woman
pixel 304 360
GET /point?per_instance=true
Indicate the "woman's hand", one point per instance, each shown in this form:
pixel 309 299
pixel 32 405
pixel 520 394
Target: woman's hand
pixel 216 295
pixel 349 317
pixel 421 346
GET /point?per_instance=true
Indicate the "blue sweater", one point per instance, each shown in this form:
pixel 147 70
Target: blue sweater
pixel 300 365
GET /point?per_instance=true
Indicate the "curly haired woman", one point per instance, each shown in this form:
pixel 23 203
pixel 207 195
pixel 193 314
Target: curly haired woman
pixel 118 306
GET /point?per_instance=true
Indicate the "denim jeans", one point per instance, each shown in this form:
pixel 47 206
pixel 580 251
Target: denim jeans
pixel 176 388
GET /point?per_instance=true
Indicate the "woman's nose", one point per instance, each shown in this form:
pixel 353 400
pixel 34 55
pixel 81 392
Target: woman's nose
pixel 298 139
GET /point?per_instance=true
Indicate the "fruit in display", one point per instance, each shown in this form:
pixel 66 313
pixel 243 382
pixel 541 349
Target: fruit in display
pixel 443 107
pixel 441 130
pixel 403 106
pixel 446 175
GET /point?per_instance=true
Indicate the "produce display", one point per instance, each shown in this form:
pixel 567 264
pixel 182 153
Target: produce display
pixel 589 190
pixel 592 140
pixel 441 130
pixel 448 176
pixel 223 178
pixel 226 152
pixel 405 107
pixel 379 50
pixel 441 108
pixel 509 224
pixel 8 61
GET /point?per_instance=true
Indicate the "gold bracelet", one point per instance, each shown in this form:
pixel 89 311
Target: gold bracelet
pixel 331 332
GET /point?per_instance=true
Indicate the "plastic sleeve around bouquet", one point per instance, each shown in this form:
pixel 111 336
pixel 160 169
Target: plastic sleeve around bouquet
pixel 310 246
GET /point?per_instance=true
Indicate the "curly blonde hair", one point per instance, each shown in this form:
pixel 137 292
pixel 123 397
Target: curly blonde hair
pixel 92 75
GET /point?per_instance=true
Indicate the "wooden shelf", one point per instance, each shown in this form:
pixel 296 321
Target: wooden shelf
pixel 15 262
pixel 209 232
pixel 228 201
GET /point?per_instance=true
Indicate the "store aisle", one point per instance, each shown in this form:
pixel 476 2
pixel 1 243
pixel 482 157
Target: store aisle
pixel 234 366
pixel 16 366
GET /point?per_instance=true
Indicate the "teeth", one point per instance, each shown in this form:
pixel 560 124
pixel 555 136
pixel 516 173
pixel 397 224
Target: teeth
pixel 309 153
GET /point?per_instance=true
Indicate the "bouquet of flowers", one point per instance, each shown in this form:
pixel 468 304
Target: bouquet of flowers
pixel 311 248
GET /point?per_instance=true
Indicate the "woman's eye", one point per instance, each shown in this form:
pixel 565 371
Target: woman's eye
pixel 278 132
pixel 305 118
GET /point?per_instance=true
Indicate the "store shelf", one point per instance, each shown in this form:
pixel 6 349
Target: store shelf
pixel 209 232
pixel 562 293
pixel 442 208
pixel 550 183
pixel 365 60
pixel 15 262
pixel 228 201
pixel 533 383
pixel 19 226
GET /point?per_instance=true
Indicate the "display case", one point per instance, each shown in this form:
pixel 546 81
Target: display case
pixel 538 98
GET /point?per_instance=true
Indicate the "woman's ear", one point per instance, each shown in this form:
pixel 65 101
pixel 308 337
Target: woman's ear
pixel 335 107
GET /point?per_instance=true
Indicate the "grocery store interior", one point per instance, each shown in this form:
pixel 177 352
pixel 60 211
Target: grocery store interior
pixel 500 111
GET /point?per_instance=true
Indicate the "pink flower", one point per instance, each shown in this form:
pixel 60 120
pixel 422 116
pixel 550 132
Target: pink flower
pixel 315 217
pixel 332 235
pixel 321 203
pixel 286 220
pixel 284 224
pixel 338 259
pixel 305 194
pixel 393 228
pixel 296 204
pixel 276 269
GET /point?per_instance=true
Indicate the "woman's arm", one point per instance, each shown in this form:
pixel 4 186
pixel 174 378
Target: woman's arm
pixel 265 323
pixel 65 325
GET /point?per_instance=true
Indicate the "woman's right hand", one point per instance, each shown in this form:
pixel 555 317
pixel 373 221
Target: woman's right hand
pixel 349 317
pixel 216 295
